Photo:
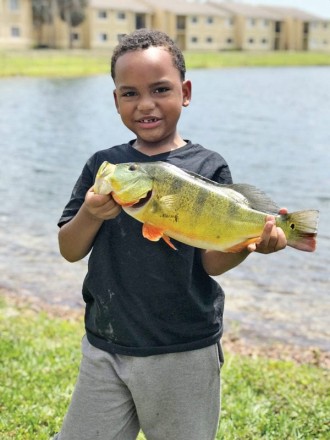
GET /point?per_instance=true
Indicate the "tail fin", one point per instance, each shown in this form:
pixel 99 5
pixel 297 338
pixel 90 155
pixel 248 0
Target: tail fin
pixel 302 229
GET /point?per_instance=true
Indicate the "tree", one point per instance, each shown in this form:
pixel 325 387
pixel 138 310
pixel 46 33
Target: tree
pixel 73 13
pixel 42 14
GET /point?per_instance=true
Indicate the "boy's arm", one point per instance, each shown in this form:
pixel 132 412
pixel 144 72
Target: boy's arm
pixel 76 237
pixel 272 240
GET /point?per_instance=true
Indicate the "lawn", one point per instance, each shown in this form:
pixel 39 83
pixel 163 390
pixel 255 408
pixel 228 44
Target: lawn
pixel 66 63
pixel 261 398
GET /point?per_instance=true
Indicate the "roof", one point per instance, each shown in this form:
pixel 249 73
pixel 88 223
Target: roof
pixel 293 13
pixel 181 7
pixel 250 11
pixel 121 5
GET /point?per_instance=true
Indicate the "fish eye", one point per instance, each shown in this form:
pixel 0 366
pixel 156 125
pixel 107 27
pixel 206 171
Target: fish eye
pixel 292 226
pixel 132 167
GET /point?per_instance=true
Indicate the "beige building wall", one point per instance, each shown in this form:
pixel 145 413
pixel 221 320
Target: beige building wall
pixel 107 21
pixel 254 27
pixel 257 34
pixel 58 35
pixel 302 30
pixel 16 24
pixel 193 26
pixel 319 36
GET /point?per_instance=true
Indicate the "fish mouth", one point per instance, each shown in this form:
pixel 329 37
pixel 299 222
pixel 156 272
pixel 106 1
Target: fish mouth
pixel 142 201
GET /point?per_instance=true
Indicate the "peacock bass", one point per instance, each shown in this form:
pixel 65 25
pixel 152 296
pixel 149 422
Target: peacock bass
pixel 174 203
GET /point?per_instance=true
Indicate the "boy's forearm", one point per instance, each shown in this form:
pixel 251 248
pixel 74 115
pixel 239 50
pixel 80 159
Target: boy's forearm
pixel 217 263
pixel 76 237
pixel 272 240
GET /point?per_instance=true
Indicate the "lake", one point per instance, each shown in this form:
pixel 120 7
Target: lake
pixel 272 125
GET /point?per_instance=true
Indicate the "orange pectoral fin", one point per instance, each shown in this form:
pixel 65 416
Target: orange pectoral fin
pixel 240 246
pixel 153 233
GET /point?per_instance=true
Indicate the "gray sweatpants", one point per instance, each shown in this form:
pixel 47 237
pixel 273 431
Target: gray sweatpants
pixel 170 396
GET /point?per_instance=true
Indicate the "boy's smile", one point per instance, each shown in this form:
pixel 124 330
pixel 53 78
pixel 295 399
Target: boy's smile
pixel 149 97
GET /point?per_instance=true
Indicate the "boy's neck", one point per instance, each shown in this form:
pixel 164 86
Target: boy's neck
pixel 154 149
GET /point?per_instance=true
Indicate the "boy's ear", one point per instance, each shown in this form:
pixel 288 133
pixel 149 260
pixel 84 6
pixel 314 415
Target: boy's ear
pixel 186 92
pixel 116 100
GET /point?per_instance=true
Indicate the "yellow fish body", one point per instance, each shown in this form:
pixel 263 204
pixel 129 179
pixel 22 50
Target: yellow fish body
pixel 196 211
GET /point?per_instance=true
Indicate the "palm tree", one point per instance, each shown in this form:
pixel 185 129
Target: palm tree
pixel 42 14
pixel 73 13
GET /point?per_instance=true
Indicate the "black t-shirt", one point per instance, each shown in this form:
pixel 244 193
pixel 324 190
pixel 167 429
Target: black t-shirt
pixel 142 297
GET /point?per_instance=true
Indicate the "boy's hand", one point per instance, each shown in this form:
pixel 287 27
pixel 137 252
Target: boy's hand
pixel 100 206
pixel 273 238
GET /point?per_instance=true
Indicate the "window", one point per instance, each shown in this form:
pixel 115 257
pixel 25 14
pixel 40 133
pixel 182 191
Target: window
pixel 121 16
pixel 264 41
pixel 252 22
pixel 102 14
pixel 209 20
pixel 181 22
pixel 75 36
pixel 103 36
pixel 140 21
pixel 194 39
pixel 229 40
pixel 209 40
pixel 14 5
pixel 15 31
pixel 251 40
pixel 278 26
pixel 229 22
pixel 194 19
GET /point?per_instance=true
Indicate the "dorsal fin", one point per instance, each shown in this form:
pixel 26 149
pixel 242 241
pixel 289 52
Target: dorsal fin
pixel 254 198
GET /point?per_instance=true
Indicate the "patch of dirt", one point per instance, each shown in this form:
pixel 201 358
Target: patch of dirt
pixel 231 342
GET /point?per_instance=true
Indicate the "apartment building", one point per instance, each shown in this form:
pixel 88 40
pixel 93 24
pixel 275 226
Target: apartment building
pixel 212 25
pixel 193 26
pixel 301 30
pixel 105 22
pixel 256 28
pixel 16 27
pixel 109 19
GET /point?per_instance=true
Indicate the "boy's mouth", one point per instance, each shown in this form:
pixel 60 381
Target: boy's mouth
pixel 148 120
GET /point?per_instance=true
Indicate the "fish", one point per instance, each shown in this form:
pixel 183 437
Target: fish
pixel 178 204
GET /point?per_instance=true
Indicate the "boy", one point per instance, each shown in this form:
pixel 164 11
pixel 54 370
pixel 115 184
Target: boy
pixel 151 354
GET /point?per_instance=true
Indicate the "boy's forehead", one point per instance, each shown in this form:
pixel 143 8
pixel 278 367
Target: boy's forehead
pixel 158 57
pixel 153 52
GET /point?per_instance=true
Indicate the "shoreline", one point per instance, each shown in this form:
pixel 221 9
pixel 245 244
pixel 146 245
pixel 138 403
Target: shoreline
pixel 14 302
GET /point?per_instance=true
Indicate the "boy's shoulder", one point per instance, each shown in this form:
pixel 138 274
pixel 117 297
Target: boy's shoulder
pixel 116 153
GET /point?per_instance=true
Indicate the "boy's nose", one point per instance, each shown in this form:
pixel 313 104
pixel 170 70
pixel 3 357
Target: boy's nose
pixel 146 104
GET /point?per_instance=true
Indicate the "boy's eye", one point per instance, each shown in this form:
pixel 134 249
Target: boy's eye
pixel 128 94
pixel 162 89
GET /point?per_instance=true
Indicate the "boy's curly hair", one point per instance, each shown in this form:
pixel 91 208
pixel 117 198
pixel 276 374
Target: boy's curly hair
pixel 143 39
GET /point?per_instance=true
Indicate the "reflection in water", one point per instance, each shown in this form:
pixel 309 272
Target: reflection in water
pixel 270 124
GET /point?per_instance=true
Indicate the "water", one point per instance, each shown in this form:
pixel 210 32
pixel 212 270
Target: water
pixel 272 126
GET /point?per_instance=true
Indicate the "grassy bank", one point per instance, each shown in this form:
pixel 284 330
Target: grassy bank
pixel 40 353
pixel 52 63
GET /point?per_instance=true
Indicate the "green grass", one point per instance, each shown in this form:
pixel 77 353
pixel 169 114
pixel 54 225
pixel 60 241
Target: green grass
pixel 260 59
pixel 40 355
pixel 65 63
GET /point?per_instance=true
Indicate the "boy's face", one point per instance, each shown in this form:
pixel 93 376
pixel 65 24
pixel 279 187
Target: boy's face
pixel 149 96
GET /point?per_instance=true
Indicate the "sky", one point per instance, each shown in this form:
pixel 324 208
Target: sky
pixel 317 7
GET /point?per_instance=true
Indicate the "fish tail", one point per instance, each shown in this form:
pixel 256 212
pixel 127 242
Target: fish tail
pixel 301 229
